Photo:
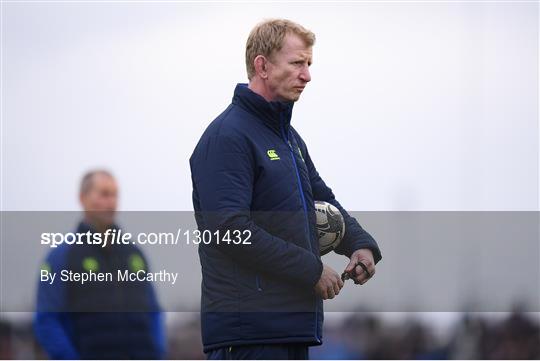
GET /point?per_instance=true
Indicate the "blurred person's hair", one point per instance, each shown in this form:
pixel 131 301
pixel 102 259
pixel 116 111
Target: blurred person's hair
pixel 87 180
pixel 266 38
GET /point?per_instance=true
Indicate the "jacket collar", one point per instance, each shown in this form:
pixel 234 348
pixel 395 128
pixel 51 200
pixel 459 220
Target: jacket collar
pixel 84 227
pixel 274 114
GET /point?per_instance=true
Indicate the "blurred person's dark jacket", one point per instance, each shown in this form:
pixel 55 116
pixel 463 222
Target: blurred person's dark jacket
pixel 98 320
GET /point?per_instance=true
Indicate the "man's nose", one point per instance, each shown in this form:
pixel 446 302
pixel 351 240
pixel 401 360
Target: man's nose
pixel 305 75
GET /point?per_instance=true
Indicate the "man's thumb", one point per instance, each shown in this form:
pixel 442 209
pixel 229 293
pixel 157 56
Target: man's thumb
pixel 350 266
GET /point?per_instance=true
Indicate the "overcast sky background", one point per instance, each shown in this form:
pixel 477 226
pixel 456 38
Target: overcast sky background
pixel 412 106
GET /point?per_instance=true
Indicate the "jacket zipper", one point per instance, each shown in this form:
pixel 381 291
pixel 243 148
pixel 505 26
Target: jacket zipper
pixel 304 205
pixel 258 283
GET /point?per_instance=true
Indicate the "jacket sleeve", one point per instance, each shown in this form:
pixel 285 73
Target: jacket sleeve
pixel 51 325
pixel 223 177
pixel 158 333
pixel 50 330
pixel 355 236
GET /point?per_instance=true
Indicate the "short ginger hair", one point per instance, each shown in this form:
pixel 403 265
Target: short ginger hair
pixel 266 38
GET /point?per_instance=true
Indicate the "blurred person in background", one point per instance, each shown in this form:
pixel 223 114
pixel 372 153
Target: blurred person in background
pixel 98 320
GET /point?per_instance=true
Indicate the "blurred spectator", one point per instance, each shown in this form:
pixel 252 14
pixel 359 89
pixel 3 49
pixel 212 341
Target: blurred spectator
pixel 5 338
pixel 99 319
pixel 363 336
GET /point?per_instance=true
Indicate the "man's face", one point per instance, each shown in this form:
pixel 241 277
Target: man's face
pixel 288 69
pixel 100 201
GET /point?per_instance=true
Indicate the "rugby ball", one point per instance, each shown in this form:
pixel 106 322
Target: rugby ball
pixel 330 226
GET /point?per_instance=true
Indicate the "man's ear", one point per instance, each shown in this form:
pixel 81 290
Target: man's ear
pixel 261 65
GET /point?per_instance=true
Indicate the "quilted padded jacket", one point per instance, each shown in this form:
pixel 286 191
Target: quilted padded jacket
pixel 254 187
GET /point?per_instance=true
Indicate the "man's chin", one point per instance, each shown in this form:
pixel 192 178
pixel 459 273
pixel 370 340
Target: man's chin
pixel 294 98
pixel 291 97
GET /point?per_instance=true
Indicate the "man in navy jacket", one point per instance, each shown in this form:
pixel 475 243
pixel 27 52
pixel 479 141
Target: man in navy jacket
pixel 254 187
pixel 99 320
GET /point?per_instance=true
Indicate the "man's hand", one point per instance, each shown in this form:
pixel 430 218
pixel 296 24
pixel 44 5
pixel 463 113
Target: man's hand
pixel 357 272
pixel 329 284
